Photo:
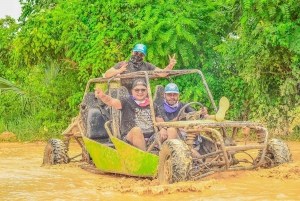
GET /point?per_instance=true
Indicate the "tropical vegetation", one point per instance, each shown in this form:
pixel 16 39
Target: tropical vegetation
pixel 249 51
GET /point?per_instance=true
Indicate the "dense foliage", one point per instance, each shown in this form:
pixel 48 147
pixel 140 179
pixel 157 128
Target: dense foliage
pixel 265 61
pixel 248 50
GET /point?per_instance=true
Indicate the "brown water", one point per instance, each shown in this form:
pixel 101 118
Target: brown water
pixel 23 178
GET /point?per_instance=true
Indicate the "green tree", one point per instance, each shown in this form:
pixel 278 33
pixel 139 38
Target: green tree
pixel 262 61
pixel 8 31
pixel 90 36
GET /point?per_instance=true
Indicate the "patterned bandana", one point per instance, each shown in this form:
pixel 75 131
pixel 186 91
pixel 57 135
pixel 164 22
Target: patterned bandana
pixel 143 103
pixel 169 108
pixel 136 61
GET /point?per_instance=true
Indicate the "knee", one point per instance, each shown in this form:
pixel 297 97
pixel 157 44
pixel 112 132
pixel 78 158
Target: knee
pixel 135 132
pixel 171 130
pixel 172 133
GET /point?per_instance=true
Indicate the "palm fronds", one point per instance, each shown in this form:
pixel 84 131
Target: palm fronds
pixel 7 86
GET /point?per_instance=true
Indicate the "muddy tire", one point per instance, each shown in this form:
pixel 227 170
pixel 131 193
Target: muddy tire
pixel 279 152
pixel 55 152
pixel 175 161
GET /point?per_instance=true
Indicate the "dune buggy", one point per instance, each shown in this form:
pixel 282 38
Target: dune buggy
pixel 96 129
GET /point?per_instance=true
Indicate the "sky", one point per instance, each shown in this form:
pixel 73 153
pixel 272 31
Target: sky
pixel 11 8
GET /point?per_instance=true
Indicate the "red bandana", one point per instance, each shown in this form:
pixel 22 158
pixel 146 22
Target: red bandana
pixel 146 103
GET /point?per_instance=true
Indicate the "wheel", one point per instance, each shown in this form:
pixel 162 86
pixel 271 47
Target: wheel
pixel 182 112
pixel 277 153
pixel 175 161
pixel 56 152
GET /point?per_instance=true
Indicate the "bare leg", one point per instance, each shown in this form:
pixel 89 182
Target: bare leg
pixel 136 137
pixel 210 117
pixel 223 107
pixel 195 153
pixel 172 133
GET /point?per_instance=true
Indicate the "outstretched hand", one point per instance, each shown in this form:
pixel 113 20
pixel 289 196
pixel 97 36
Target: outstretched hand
pixel 99 93
pixel 172 62
pixel 123 67
pixel 204 111
pixel 163 135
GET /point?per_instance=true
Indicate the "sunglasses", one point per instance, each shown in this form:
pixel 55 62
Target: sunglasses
pixel 139 90
pixel 138 54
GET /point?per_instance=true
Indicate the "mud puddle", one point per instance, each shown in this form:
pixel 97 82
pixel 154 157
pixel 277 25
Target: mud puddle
pixel 23 178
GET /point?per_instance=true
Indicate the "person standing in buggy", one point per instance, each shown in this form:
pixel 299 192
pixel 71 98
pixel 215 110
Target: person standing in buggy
pixel 137 63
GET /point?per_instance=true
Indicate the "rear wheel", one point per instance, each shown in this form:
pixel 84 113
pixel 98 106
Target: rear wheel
pixel 174 162
pixel 278 153
pixel 56 152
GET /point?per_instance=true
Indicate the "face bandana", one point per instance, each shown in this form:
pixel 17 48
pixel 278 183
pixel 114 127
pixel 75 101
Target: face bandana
pixel 169 108
pixel 143 103
pixel 136 61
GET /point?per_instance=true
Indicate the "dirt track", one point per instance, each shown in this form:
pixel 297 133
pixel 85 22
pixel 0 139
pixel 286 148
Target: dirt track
pixel 23 178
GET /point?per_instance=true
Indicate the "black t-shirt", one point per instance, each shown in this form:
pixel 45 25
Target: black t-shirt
pixel 170 116
pixel 135 115
pixel 145 66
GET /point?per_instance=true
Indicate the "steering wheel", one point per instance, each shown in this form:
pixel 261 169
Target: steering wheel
pixel 184 114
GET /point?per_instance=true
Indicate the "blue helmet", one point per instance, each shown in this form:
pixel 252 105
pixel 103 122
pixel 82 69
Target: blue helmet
pixel 140 48
pixel 171 88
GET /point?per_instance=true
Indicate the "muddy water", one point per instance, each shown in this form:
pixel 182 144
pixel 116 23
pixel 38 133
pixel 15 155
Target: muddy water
pixel 23 178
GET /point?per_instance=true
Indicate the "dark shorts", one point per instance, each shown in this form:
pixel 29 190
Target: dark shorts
pixel 149 141
pixel 127 141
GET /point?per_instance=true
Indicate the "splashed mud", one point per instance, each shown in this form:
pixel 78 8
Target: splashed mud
pixel 23 178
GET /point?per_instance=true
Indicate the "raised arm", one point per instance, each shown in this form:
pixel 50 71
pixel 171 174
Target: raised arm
pixel 168 67
pixel 113 71
pixel 115 103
